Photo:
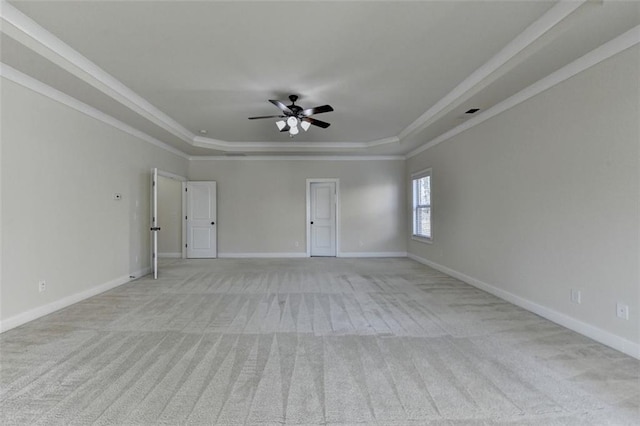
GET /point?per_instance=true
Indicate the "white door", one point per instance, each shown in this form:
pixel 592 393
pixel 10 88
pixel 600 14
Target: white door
pixel 154 223
pixel 323 218
pixel 201 220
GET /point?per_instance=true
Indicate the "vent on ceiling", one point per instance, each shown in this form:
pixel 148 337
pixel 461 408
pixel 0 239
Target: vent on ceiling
pixel 234 154
pixel 472 111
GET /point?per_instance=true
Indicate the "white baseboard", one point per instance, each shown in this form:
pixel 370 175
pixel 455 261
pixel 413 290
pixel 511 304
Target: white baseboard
pixel 32 314
pixel 374 254
pixel 260 255
pixel 169 255
pixel 606 338
pixel 299 255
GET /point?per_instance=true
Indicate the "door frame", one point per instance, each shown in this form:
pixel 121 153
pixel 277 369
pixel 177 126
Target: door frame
pixel 184 215
pixel 182 179
pixel 308 208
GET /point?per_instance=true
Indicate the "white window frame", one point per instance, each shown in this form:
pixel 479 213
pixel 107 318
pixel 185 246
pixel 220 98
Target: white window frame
pixel 414 177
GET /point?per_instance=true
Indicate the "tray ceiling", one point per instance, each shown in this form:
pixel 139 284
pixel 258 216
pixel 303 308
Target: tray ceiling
pixel 398 74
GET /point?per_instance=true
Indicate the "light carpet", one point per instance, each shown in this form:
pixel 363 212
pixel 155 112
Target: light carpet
pixel 308 341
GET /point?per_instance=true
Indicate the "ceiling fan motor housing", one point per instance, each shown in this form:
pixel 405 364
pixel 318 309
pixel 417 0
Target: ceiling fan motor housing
pixel 295 109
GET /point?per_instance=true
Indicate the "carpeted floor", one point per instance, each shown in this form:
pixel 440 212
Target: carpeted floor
pixel 308 341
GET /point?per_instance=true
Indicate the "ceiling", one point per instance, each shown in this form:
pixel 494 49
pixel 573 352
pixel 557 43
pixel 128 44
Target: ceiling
pixel 398 74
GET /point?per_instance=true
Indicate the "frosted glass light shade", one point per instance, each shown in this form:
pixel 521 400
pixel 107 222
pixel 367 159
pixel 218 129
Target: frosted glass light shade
pixel 281 124
pixel 292 121
pixel 305 125
pixel 294 130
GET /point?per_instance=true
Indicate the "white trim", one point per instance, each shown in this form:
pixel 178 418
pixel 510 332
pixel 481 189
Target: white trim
pixel 421 239
pixel 415 176
pixel 308 211
pixel 60 53
pixel 32 35
pixel 183 205
pixel 202 142
pixel 607 50
pixel 422 173
pixel 260 255
pixel 532 33
pixel 153 221
pixel 183 218
pixel 32 314
pixel 605 337
pixel 384 141
pixel 39 87
pixel 294 146
pixel 365 254
pixel 299 158
pixel 19 26
pixel 170 175
pixel 170 255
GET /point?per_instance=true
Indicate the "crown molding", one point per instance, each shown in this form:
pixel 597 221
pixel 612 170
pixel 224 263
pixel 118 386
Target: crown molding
pixel 22 28
pixel 205 142
pixel 533 32
pixel 385 141
pixel 25 30
pixel 39 87
pixel 607 50
pixel 299 158
pixel 274 146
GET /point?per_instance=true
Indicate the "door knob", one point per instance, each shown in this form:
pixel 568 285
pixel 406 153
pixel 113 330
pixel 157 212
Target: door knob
pixel 312 222
pixel 213 223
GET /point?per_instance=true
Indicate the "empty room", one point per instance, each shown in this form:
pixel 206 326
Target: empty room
pixel 320 212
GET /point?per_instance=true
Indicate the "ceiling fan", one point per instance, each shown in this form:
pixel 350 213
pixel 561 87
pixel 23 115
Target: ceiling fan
pixel 294 116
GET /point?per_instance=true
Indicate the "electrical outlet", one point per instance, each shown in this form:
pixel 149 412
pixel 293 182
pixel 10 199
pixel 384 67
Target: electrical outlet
pixel 576 296
pixel 622 311
pixel 42 286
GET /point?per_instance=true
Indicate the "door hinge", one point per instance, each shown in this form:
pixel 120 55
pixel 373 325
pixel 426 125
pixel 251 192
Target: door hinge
pixel 186 245
pixel 186 189
pixel 185 218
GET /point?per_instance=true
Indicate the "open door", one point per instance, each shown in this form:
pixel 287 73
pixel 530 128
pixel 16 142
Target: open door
pixel 201 220
pixel 154 223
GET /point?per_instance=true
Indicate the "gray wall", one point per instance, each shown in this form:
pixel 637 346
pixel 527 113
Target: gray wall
pixel 261 204
pixel 60 223
pixel 544 198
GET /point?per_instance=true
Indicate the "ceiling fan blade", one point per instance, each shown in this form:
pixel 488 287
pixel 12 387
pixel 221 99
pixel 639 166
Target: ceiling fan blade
pixel 317 110
pixel 266 116
pixel 285 128
pixel 280 105
pixel 318 123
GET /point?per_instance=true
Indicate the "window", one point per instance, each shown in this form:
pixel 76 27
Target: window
pixel 422 204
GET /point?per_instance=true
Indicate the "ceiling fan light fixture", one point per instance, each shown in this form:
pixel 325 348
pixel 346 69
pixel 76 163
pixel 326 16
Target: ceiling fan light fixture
pixel 293 117
pixel 292 121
